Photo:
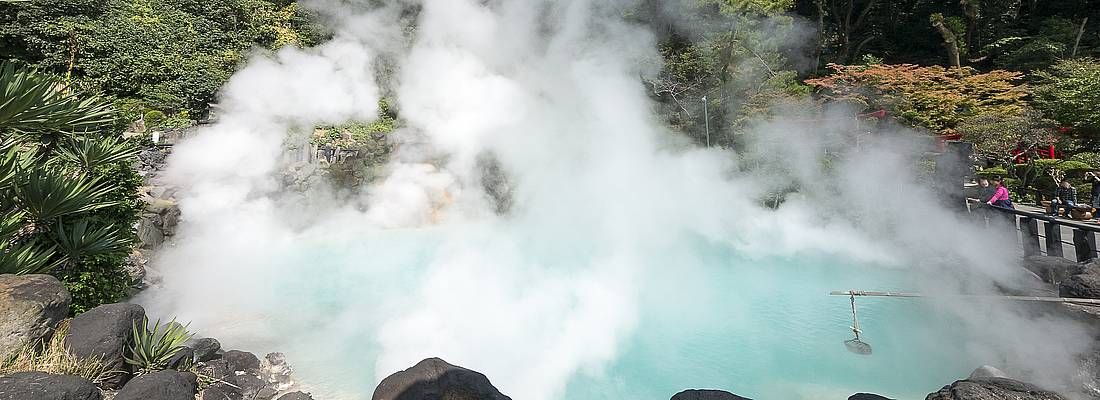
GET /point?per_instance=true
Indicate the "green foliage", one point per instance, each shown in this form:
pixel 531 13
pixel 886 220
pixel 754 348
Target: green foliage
pixel 152 349
pixel 1070 92
pixel 996 135
pixel 1091 159
pixel 96 280
pixel 764 7
pixel 994 172
pixel 31 102
pixel 169 55
pixel 68 202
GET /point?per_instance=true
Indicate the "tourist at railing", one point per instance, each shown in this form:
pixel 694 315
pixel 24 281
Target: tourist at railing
pixel 985 192
pixel 1000 197
pixel 1065 198
pixel 1094 177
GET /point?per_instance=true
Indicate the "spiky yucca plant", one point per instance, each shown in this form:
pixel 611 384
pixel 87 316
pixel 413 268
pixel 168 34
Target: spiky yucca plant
pixel 50 181
pixel 153 349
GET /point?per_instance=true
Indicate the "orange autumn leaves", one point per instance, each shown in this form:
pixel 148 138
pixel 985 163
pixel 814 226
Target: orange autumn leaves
pixel 932 97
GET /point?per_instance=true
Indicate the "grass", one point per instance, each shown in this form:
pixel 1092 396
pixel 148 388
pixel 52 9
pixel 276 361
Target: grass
pixel 53 358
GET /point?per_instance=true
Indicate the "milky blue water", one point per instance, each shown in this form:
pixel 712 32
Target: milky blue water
pixel 761 328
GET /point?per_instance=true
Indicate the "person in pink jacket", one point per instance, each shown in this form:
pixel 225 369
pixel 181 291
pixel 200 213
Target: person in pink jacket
pixel 1000 196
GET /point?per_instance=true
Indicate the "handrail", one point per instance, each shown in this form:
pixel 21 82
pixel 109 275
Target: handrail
pixel 1047 218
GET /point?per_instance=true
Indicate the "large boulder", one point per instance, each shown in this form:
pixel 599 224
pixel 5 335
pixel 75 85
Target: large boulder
pixel 706 394
pixel 992 389
pixel 1084 285
pixel 105 332
pixel 43 386
pixel 1052 269
pixel 31 306
pixel 221 391
pixel 242 361
pixel 434 378
pixel 160 385
pixel 206 349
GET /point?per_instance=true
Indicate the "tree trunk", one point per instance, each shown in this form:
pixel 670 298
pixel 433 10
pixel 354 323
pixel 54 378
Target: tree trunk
pixel 1077 43
pixel 950 42
pixel 821 34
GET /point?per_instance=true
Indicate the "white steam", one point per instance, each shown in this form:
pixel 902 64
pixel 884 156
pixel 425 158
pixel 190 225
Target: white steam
pixel 418 265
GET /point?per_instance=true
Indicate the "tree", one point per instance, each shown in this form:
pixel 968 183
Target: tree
pixel 68 196
pixel 1070 92
pixel 935 98
pixel 168 56
pixel 995 135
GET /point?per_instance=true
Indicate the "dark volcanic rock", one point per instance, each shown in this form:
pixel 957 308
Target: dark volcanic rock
pixel 160 385
pixel 217 369
pixel 1052 269
pixel 433 378
pixel 182 359
pixel 992 389
pixel 1086 285
pixel 31 306
pixel 296 396
pixel 43 386
pixel 867 396
pixel 252 387
pixel 242 361
pixel 206 349
pixel 706 394
pixel 105 332
pixel 221 391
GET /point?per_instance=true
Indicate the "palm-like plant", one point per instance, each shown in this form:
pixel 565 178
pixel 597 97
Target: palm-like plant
pixel 32 103
pixel 153 349
pixel 89 152
pixel 50 187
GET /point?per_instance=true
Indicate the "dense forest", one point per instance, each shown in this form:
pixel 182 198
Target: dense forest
pixel 1010 76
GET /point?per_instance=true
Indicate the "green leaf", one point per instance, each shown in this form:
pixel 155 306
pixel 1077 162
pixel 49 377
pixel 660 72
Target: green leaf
pixel 51 192
pixel 32 103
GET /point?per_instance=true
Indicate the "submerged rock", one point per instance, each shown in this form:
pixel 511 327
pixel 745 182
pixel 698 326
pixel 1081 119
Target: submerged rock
pixel 867 396
pixel 706 394
pixel 296 396
pixel 434 378
pixel 992 389
pixel 105 332
pixel 31 306
pixel 43 386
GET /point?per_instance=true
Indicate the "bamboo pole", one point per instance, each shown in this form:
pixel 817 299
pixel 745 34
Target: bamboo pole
pixel 865 293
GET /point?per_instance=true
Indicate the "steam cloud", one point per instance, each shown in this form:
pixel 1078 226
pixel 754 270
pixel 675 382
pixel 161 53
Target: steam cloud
pixel 419 265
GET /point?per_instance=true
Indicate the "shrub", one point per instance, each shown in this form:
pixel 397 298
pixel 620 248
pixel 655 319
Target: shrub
pixel 994 172
pixel 53 358
pixel 152 350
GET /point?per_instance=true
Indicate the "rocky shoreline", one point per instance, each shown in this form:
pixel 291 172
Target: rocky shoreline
pixel 33 309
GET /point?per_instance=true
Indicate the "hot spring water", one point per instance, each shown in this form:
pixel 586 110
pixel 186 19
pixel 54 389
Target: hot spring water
pixel 705 317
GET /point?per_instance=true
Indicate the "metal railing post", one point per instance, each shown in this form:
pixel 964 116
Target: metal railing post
pixel 1030 228
pixel 1053 239
pixel 1084 243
